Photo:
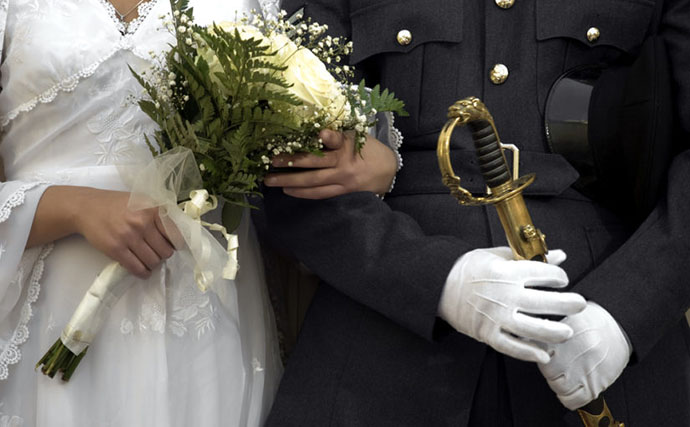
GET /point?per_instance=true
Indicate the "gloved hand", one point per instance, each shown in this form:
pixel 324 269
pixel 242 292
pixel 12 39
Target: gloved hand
pixel 487 293
pixel 589 362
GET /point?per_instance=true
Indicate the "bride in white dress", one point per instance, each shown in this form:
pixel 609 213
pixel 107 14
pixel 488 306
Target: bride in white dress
pixel 168 355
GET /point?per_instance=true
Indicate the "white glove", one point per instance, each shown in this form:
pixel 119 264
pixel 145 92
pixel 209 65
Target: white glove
pixel 589 362
pixel 486 296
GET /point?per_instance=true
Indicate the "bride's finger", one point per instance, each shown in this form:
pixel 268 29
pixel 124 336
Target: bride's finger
pixel 313 178
pixel 169 230
pixel 315 193
pixel 145 254
pixel 134 265
pixel 160 245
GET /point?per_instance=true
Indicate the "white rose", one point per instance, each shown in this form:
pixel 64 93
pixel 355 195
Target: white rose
pixel 284 48
pixel 312 83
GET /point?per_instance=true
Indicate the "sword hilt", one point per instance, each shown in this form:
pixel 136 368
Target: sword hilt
pixel 526 241
pixel 492 162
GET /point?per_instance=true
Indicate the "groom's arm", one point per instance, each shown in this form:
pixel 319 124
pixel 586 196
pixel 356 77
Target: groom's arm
pixel 357 244
pixel 644 284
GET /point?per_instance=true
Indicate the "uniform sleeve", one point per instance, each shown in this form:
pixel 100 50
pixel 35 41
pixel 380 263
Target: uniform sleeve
pixel 379 257
pixel 644 284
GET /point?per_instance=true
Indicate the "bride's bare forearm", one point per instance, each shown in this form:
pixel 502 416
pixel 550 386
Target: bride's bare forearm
pixel 56 214
pixel 137 239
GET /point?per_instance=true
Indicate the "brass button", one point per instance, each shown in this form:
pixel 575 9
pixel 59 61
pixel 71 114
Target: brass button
pixel 505 4
pixel 499 74
pixel 404 37
pixel 593 34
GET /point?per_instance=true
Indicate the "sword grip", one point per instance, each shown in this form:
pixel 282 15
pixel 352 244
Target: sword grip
pixel 492 162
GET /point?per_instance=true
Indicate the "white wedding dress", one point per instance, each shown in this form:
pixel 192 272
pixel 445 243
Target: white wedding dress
pixel 168 354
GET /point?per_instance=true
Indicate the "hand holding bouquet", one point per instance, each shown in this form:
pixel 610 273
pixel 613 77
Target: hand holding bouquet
pixel 230 97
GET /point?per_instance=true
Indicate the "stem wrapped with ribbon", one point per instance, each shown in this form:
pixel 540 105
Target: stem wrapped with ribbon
pixel 162 183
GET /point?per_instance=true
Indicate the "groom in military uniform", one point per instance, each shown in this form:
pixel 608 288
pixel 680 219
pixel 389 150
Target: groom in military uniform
pixel 422 319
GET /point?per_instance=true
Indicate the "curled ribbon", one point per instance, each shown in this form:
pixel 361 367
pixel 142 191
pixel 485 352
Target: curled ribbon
pixel 200 203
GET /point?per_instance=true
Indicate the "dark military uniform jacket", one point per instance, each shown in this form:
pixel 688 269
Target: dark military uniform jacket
pixel 372 350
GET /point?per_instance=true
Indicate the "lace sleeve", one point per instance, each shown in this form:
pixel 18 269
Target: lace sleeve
pixel 386 132
pixel 20 270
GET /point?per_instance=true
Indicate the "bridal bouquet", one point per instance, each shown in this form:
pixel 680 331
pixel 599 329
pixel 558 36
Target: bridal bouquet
pixel 238 93
pixel 230 97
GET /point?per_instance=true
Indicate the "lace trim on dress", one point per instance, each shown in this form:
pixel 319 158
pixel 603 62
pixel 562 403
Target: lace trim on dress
pixel 132 26
pixel 11 354
pixel 143 12
pixel 66 85
pixel 16 199
pixel 71 82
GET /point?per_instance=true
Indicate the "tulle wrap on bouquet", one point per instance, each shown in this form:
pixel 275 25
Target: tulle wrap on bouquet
pixel 167 179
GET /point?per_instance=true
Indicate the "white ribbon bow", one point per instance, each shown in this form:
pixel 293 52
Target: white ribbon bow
pixel 200 203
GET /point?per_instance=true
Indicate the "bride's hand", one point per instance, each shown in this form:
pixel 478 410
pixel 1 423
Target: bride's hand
pixel 339 171
pixel 135 239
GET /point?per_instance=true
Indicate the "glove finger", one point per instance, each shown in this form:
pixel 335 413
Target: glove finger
pixel 532 273
pixel 556 257
pixel 560 367
pixel 564 384
pixel 547 302
pixel 577 399
pixel 543 330
pixel 519 349
pixel 552 369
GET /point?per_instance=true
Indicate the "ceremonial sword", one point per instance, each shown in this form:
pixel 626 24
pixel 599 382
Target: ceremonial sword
pixel 505 193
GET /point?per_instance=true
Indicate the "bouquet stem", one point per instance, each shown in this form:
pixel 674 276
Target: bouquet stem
pixel 60 359
pixel 64 356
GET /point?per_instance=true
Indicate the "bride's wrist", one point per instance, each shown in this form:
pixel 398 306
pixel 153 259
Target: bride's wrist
pixel 77 208
pixel 59 214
